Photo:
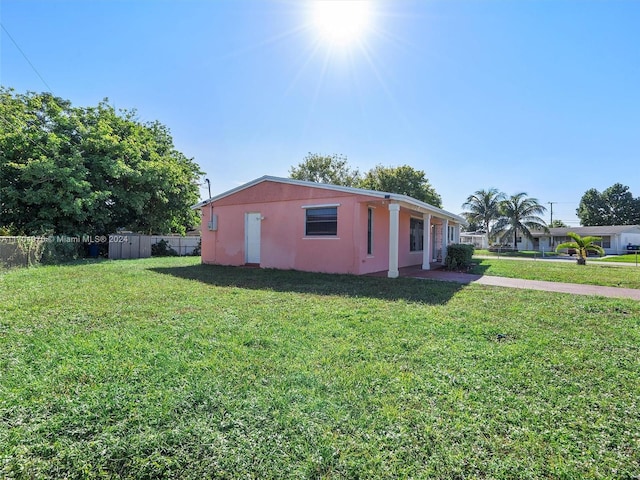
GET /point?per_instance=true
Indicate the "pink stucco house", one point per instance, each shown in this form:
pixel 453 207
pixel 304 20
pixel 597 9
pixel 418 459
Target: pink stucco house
pixel 291 224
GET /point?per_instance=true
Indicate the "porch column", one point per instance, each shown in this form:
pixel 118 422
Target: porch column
pixel 426 241
pixel 394 227
pixel 445 238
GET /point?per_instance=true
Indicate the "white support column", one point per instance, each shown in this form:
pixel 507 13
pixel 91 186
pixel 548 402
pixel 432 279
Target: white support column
pixel 426 241
pixel 394 231
pixel 445 238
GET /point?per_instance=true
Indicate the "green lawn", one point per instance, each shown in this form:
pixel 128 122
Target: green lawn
pixel 164 368
pixel 519 254
pixel 627 258
pixel 560 271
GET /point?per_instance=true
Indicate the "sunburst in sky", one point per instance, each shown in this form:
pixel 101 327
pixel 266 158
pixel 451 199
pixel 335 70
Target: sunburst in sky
pixel 342 23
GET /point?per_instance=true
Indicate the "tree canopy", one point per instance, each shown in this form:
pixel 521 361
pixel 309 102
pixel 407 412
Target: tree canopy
pixel 614 206
pixel 335 170
pixel 89 170
pixel 558 224
pixel 404 180
pixel 483 208
pixel 331 169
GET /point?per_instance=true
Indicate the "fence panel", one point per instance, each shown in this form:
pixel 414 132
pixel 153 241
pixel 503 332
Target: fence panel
pixel 127 246
pixel 20 251
pixel 182 245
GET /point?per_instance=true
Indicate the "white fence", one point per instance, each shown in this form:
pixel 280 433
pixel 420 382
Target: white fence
pixel 182 245
pixel 128 245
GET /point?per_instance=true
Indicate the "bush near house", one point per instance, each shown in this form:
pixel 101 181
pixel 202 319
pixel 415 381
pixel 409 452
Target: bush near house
pixel 459 256
pixel 198 250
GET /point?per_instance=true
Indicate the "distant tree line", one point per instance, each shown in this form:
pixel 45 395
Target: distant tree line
pixel 89 170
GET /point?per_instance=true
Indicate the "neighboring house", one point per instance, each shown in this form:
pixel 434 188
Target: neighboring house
pixel 477 239
pixel 291 224
pixel 614 238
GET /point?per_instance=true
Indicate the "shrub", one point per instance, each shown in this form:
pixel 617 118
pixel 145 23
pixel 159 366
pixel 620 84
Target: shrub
pixel 458 256
pixel 163 249
pixel 61 252
pixel 198 250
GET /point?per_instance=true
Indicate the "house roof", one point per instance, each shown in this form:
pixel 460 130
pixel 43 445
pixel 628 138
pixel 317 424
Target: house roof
pixel 592 231
pixel 402 199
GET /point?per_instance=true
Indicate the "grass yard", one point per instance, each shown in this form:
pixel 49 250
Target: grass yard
pixel 163 368
pixel 519 254
pixel 560 271
pixel 626 258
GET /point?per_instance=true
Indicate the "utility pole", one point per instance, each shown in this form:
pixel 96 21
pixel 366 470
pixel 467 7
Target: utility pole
pixel 551 242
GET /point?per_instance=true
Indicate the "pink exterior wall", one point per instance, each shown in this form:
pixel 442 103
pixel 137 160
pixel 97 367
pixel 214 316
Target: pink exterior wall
pixel 283 242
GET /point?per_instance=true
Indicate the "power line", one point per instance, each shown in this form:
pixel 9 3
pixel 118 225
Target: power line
pixel 25 57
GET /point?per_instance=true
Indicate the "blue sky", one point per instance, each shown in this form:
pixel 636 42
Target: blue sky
pixel 538 96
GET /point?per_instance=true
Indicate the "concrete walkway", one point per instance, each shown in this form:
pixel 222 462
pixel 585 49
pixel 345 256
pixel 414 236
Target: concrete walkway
pixel 572 288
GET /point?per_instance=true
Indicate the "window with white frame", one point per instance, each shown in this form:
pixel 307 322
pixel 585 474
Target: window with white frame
pixel 605 242
pixel 321 221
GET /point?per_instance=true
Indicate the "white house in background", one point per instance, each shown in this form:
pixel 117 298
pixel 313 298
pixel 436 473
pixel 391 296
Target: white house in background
pixel 477 239
pixel 615 238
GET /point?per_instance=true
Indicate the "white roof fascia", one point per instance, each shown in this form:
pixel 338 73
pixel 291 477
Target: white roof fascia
pixel 402 199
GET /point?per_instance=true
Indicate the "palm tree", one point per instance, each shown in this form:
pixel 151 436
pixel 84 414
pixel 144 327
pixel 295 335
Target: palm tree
pixel 483 208
pixel 519 213
pixel 582 246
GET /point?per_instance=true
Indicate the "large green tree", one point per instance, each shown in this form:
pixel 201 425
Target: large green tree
pixel 72 170
pixel 331 169
pixel 335 170
pixel 404 180
pixel 614 206
pixel 483 208
pixel 519 214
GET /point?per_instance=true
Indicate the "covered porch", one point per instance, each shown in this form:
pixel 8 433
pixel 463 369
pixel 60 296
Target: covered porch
pixel 431 230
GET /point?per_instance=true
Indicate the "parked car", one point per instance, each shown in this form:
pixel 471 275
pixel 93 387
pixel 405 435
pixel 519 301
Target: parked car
pixel 572 252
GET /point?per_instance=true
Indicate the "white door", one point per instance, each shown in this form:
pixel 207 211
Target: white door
pixel 252 237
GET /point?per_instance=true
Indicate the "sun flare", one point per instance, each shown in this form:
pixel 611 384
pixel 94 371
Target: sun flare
pixel 341 22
